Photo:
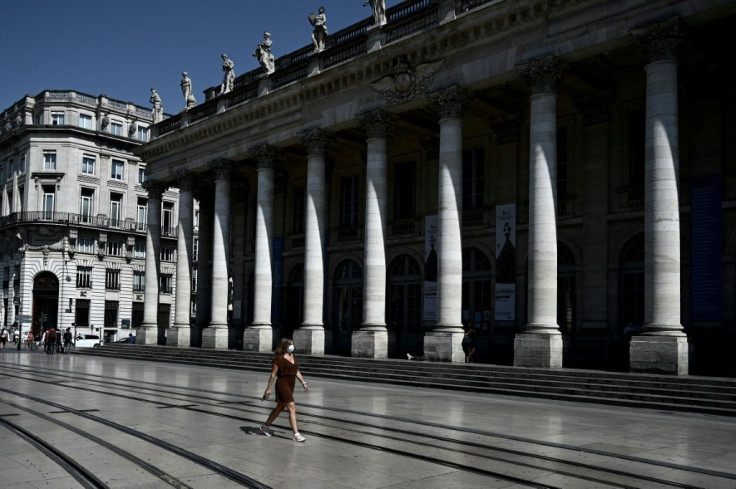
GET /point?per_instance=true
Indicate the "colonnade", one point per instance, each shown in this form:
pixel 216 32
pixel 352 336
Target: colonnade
pixel 540 344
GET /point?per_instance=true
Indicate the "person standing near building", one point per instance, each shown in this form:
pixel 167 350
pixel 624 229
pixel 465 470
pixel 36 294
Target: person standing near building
pixel 3 338
pixel 285 371
pixel 50 340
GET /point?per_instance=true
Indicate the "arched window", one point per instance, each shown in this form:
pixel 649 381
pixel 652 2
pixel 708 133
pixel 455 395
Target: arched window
pixel 405 302
pixel 566 310
pixel 477 290
pixel 46 304
pixel 348 304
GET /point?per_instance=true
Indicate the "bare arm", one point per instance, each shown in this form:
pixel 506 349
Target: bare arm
pixel 301 379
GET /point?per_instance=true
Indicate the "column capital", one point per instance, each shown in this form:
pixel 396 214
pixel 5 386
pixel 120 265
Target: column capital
pixel 222 169
pixel 154 188
pixel 451 101
pixel 541 74
pixel 316 140
pixel 265 154
pixel 377 122
pixel 184 177
pixel 660 40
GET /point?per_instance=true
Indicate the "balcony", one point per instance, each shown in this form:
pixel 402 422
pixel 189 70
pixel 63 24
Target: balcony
pixel 80 220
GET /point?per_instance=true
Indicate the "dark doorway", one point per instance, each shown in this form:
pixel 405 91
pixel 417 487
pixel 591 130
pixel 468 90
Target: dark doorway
pixel 45 303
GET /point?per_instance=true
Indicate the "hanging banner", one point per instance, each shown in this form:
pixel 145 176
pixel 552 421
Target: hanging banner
pixel 505 303
pixel 430 268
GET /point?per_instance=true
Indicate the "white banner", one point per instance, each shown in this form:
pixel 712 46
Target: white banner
pixel 430 268
pixel 505 263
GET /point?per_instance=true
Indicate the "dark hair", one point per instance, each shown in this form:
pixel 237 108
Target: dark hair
pixel 283 346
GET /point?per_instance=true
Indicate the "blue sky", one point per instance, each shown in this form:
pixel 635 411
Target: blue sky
pixel 123 48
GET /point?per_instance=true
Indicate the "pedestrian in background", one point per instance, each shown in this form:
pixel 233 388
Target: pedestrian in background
pixel 285 371
pixel 469 342
pixel 3 338
pixel 50 340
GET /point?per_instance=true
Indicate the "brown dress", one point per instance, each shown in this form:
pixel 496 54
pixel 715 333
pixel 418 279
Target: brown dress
pixel 285 379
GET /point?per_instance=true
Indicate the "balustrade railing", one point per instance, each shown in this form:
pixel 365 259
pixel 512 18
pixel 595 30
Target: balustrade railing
pixel 82 220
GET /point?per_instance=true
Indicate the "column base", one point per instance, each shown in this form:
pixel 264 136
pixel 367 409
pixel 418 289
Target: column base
pixel 146 335
pixel 369 344
pixel 444 346
pixel 179 336
pixel 216 338
pixel 538 350
pixel 258 339
pixel 309 341
pixel 659 354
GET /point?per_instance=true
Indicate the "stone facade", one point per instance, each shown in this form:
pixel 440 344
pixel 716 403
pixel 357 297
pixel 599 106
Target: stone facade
pixel 556 174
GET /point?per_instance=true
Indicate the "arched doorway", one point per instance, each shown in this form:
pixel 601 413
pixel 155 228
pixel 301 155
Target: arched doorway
pixel 631 300
pixel 348 304
pixel 405 303
pixel 478 299
pixel 45 303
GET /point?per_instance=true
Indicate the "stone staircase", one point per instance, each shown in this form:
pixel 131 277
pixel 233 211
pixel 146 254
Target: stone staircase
pixel 710 395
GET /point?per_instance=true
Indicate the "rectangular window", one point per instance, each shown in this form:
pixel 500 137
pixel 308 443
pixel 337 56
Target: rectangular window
pixel 88 165
pixel 142 133
pixel 166 283
pixel 49 160
pixel 473 178
pixel 299 209
pixel 84 278
pixel 112 279
pixel 349 201
pixel 562 168
pixel 139 281
pixel 167 219
pixel 116 170
pixel 194 280
pixel 116 128
pixel 141 174
pixel 57 118
pixel 637 136
pixel 167 254
pixel 116 210
pixel 81 316
pixel 141 214
pixel 115 248
pixel 85 244
pixel 111 314
pixel 85 121
pixel 195 250
pixel 86 210
pixel 404 189
pixel 139 251
pixel 48 202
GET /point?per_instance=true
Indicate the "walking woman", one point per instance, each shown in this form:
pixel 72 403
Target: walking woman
pixel 285 371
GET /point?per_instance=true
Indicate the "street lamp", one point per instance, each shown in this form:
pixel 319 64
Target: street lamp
pixel 17 301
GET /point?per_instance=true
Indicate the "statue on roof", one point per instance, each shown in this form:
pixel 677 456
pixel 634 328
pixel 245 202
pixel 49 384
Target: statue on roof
pixel 319 34
pixel 228 79
pixel 158 108
pixel 264 55
pixel 379 11
pixel 186 90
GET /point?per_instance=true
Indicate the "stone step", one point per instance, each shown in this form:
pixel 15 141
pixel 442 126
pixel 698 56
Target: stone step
pixel 695 394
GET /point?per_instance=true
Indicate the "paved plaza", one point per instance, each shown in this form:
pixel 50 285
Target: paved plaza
pixel 145 425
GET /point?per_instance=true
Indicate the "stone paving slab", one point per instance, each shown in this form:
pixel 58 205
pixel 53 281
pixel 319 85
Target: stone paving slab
pixel 359 435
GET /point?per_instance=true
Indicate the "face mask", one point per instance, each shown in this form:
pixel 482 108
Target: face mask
pixel 291 349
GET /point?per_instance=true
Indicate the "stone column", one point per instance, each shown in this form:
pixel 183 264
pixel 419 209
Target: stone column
pixel 371 340
pixel 663 347
pixel 217 334
pixel 541 344
pixel 310 337
pixel 443 342
pixel 147 333
pixel 259 336
pixel 180 333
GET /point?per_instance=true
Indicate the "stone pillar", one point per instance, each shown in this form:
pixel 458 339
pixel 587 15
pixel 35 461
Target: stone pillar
pixel 310 337
pixel 663 346
pixel 443 342
pixel 259 335
pixel 180 334
pixel 371 340
pixel 541 344
pixel 147 333
pixel 217 334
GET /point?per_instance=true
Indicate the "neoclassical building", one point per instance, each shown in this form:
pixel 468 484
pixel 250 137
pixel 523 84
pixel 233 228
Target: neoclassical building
pixel 73 221
pixel 555 173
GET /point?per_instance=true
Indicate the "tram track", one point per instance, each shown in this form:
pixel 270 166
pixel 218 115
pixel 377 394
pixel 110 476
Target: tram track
pixel 484 452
